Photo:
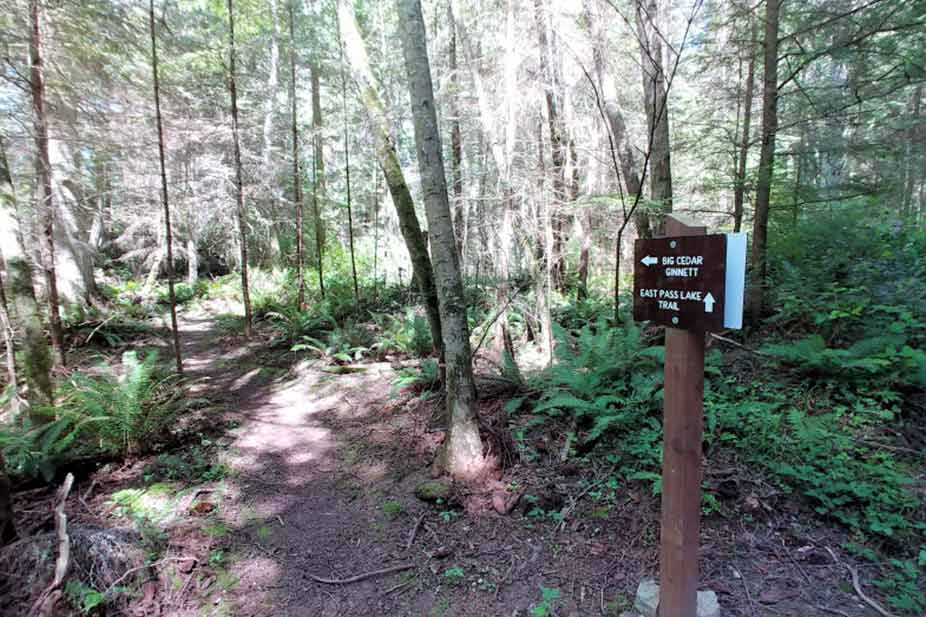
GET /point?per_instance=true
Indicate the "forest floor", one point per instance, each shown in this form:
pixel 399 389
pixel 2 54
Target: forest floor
pixel 317 479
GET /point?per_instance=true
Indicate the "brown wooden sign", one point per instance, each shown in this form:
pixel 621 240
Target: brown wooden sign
pixel 680 281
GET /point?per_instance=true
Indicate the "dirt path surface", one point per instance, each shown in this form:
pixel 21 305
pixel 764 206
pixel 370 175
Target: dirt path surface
pixel 324 469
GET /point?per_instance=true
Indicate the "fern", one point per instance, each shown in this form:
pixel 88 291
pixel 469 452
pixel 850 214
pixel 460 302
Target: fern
pixel 608 381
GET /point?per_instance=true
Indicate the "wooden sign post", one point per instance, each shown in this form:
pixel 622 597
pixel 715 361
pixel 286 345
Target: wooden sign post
pixel 691 283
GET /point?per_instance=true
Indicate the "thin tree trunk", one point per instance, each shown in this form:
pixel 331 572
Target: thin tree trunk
pixel 239 183
pixel 350 215
pixel 6 324
pixel 47 208
pixel 555 259
pixel 297 176
pixel 318 162
pixel 656 104
pixel 758 265
pixel 270 178
pixel 167 234
pixel 456 135
pixel 740 181
pixel 392 170
pixel 462 454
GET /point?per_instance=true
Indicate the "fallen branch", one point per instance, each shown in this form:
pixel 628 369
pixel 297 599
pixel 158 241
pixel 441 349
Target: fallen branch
pixel 146 566
pixel 50 595
pixel 858 586
pixel 361 577
pixel 411 536
pixel 730 341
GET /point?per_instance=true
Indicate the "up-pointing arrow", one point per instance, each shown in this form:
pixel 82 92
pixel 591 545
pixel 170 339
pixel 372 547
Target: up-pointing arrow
pixel 709 303
pixel 649 260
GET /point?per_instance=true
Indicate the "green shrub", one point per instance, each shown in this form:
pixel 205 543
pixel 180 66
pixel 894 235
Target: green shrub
pixel 608 380
pixel 407 334
pixel 820 456
pixel 112 413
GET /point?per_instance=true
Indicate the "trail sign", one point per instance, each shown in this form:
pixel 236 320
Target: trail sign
pixel 690 282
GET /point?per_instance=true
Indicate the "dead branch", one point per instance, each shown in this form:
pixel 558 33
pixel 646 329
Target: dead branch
pixel 361 577
pixel 858 586
pixel 730 341
pixel 411 536
pixel 45 602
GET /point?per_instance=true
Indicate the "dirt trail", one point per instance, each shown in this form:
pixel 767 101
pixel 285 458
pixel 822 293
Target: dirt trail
pixel 287 501
pixel 324 469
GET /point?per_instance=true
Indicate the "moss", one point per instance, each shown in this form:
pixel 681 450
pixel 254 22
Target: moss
pixel 432 490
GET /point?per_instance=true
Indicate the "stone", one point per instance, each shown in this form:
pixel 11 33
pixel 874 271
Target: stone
pixel 647 600
pixel 432 490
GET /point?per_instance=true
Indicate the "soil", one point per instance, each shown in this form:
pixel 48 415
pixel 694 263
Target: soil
pixel 324 466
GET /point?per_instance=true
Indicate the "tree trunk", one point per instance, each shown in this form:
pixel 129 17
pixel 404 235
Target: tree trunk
pixel 392 170
pixel 462 454
pixel 758 265
pixel 656 105
pixel 318 161
pixel 297 176
pixel 556 259
pixel 34 357
pixel 350 214
pixel 7 521
pixel 239 182
pixel 739 188
pixel 167 233
pixel 456 136
pixel 47 208
pixel 6 324
pixel 270 177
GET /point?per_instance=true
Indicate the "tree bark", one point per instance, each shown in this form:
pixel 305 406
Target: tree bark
pixel 739 188
pixel 656 105
pixel 758 266
pixel 319 191
pixel 239 182
pixel 556 259
pixel 297 176
pixel 350 214
pixel 7 520
pixel 462 454
pixel 456 135
pixel 392 170
pixel 270 178
pixel 47 208
pixel 167 233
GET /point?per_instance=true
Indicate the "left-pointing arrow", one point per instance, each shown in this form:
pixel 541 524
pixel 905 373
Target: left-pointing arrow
pixel 649 260
pixel 709 303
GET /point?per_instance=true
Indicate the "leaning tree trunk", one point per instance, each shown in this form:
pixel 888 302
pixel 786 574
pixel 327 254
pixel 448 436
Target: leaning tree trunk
pixel 462 452
pixel 739 188
pixel 167 234
pixel 239 183
pixel 392 170
pixel 297 176
pixel 756 296
pixel 47 209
